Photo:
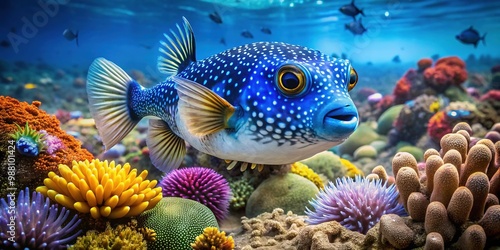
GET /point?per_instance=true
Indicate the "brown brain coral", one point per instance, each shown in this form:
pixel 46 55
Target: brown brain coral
pixel 32 170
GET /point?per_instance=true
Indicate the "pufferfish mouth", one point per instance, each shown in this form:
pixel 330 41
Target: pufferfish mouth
pixel 338 123
pixel 340 115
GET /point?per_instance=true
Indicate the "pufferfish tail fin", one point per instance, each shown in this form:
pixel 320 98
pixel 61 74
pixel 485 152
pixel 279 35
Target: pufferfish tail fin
pixel 178 51
pixel 108 89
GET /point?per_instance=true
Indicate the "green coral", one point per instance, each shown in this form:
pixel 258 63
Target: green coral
pixel 326 163
pixel 177 222
pixel 304 171
pixel 291 192
pixel 385 121
pixel 241 190
pixel 122 237
pixel 367 151
pixel 417 152
pixel 364 135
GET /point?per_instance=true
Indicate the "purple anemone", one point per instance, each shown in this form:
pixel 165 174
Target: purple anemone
pixel 356 204
pixel 203 185
pixel 35 224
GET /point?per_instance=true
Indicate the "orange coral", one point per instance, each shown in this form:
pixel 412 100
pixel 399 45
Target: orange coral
pixel 493 95
pixel 424 63
pixel 447 72
pixel 386 102
pixel 30 171
pixel 402 90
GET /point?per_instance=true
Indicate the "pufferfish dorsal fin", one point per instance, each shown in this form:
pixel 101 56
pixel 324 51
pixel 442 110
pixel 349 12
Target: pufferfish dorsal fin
pixel 167 150
pixel 178 51
pixel 203 111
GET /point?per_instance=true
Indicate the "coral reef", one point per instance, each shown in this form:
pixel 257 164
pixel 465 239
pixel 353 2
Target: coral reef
pixel 366 151
pixel 326 163
pixel 121 237
pixel 34 223
pixel 421 109
pixel 364 135
pixel 395 231
pixel 423 64
pixel 385 121
pixel 290 192
pixel 438 126
pixel 30 171
pixel 241 190
pixel 213 239
pixel 447 71
pixel 304 171
pixel 351 169
pixel 450 196
pixel 356 204
pixel 401 91
pixel 203 185
pixel 278 230
pixel 102 189
pixel 269 230
pixel 51 143
pixel 177 222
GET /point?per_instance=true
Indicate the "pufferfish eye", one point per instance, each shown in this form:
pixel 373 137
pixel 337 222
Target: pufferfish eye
pixel 291 80
pixel 353 78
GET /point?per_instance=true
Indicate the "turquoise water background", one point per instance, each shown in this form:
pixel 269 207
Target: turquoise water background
pixel 128 32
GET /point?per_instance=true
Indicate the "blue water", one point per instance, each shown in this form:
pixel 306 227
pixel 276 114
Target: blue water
pixel 128 32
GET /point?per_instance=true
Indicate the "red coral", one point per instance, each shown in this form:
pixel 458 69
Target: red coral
pixel 63 116
pixel 386 102
pixel 31 171
pixel 447 72
pixel 423 64
pixel 493 95
pixel 438 126
pixel 402 90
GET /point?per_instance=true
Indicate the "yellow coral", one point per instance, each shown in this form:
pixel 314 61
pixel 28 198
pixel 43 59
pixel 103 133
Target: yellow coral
pixel 102 189
pixel 122 237
pixel 352 170
pixel 304 171
pixel 213 239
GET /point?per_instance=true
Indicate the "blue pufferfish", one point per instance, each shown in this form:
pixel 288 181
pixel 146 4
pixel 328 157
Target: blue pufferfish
pixel 261 103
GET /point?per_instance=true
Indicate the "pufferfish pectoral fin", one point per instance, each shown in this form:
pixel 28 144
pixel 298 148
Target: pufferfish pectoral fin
pixel 203 111
pixel 166 149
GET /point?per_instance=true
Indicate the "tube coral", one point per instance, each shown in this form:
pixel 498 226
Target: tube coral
pixel 102 189
pixel 446 182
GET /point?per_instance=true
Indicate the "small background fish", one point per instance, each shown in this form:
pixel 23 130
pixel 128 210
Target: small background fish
pixel 70 35
pixel 471 36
